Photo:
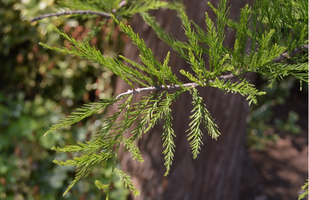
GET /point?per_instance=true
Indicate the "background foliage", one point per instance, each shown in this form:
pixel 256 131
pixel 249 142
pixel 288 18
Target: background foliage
pixel 40 87
pixel 264 125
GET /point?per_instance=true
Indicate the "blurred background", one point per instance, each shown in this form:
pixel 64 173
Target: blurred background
pixel 38 87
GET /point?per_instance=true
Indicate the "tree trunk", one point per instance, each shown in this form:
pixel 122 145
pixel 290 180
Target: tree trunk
pixel 217 171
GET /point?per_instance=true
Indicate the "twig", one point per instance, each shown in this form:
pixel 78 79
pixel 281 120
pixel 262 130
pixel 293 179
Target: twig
pixel 154 88
pixel 286 55
pixel 80 12
pixel 162 87
pixel 223 77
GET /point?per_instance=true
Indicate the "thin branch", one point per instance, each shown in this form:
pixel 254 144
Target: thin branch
pixel 80 12
pixel 223 77
pixel 162 87
pixel 154 88
pixel 286 55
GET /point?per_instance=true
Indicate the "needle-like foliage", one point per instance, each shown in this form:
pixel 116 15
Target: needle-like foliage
pixel 276 32
pixel 200 117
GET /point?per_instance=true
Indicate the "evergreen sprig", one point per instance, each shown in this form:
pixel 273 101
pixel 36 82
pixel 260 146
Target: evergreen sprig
pixel 168 132
pixel 84 165
pixel 127 181
pixel 275 30
pixel 81 113
pixel 200 117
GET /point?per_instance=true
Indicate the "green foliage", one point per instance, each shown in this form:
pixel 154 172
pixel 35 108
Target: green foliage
pixel 127 181
pixel 289 125
pixel 168 133
pixel 260 26
pixel 143 6
pixel 83 112
pixel 129 145
pixel 200 116
pixel 84 165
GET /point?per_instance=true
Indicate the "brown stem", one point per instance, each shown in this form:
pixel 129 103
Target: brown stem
pixel 161 87
pixel 286 55
pixel 80 12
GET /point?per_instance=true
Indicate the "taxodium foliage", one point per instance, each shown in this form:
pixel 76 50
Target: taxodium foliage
pixel 276 32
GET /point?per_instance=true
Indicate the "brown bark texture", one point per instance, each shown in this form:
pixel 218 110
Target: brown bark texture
pixel 217 171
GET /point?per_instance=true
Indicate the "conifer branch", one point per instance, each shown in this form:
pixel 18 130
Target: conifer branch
pixel 224 65
pixel 79 12
pixel 280 58
pixel 287 55
pixel 162 87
